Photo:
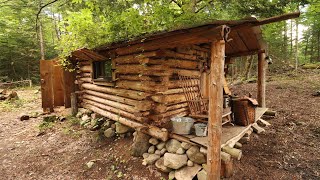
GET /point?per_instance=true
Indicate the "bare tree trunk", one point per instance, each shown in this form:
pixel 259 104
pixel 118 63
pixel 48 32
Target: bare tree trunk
pixel 311 46
pixel 318 46
pixel 41 41
pixel 285 41
pixel 248 67
pixel 306 48
pixel 297 44
pixel 291 36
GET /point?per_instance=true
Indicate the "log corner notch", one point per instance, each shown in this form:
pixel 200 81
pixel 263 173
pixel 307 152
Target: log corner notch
pixel 215 109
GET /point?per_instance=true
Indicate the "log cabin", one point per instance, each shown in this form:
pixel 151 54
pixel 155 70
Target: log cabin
pixel 144 82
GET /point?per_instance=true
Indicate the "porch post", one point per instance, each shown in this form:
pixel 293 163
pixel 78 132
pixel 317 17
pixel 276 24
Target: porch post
pixel 262 79
pixel 215 109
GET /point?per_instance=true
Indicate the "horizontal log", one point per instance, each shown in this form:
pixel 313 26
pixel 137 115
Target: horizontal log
pixel 173 84
pixel 138 58
pixel 114 110
pixel 87 80
pixel 153 131
pixel 173 91
pixel 176 63
pixel 156 70
pixel 143 105
pixel 162 108
pixel 169 99
pixel 86 69
pixel 173 54
pixel 148 86
pixel 104 83
pixel 114 104
pixel 138 95
pixel 85 75
pixel 184 72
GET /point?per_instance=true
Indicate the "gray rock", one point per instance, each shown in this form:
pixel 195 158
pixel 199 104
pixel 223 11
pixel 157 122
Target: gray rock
pixel 85 118
pixel 106 124
pixel 163 151
pixel 185 145
pixel 151 159
pixel 196 156
pixel 173 145
pixel 121 129
pixel 79 115
pixel 140 144
pixel 175 161
pixel 24 117
pixel 180 151
pixel 161 167
pixel 202 175
pixel 109 133
pixel 153 141
pixel 161 145
pixel 189 163
pixel 96 116
pixel 187 173
pixel 113 126
pixel 151 149
pixel 158 152
pixel 90 164
pixel 171 175
pixel 145 155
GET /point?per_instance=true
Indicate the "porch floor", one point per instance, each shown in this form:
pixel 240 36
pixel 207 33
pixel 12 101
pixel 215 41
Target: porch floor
pixel 230 133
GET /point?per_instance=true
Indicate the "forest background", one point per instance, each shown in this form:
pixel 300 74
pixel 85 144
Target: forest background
pixel 45 29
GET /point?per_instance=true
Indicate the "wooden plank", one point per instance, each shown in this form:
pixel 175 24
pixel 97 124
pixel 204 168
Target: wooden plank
pixel 58 86
pixel 46 84
pixel 230 134
pixel 260 112
pixel 204 34
pixel 215 109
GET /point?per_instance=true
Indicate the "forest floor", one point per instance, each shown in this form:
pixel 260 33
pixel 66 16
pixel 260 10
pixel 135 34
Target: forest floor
pixel 289 149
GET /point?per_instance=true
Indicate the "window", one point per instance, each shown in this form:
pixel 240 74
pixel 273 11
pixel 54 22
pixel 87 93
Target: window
pixel 102 71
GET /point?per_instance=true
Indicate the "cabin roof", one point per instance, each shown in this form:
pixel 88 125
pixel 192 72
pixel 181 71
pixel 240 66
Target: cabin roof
pixel 243 37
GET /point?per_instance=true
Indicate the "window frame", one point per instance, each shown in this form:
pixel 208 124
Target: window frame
pixel 100 66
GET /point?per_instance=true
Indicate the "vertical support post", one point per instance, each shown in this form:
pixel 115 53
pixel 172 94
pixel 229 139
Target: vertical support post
pixel 262 79
pixel 215 109
pixel 74 104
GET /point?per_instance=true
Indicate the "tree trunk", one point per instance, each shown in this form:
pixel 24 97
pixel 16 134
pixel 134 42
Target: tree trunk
pixel 249 67
pixel 41 41
pixel 306 48
pixel 285 40
pixel 311 46
pixel 297 44
pixel 318 58
pixel 291 36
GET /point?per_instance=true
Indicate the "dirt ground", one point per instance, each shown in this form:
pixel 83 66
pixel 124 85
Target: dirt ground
pixel 288 150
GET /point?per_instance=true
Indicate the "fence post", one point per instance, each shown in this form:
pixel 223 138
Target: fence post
pixel 74 104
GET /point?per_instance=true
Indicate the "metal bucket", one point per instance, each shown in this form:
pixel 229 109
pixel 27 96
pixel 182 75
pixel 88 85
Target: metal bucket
pixel 182 125
pixel 201 129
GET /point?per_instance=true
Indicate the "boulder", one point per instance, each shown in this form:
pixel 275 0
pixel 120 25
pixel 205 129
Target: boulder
pixel 175 161
pixel 96 116
pixel 145 155
pixel 185 145
pixel 161 167
pixel 196 156
pixel 121 129
pixel 158 152
pixel 151 159
pixel 85 118
pixel 171 175
pixel 109 133
pixel 140 144
pixel 187 173
pixel 79 115
pixel 202 175
pixel 161 145
pixel 163 151
pixel 173 145
pixel 180 151
pixel 151 149
pixel 153 141
pixel 189 163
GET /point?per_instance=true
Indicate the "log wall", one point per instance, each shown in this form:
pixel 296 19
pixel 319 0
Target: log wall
pixel 146 86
